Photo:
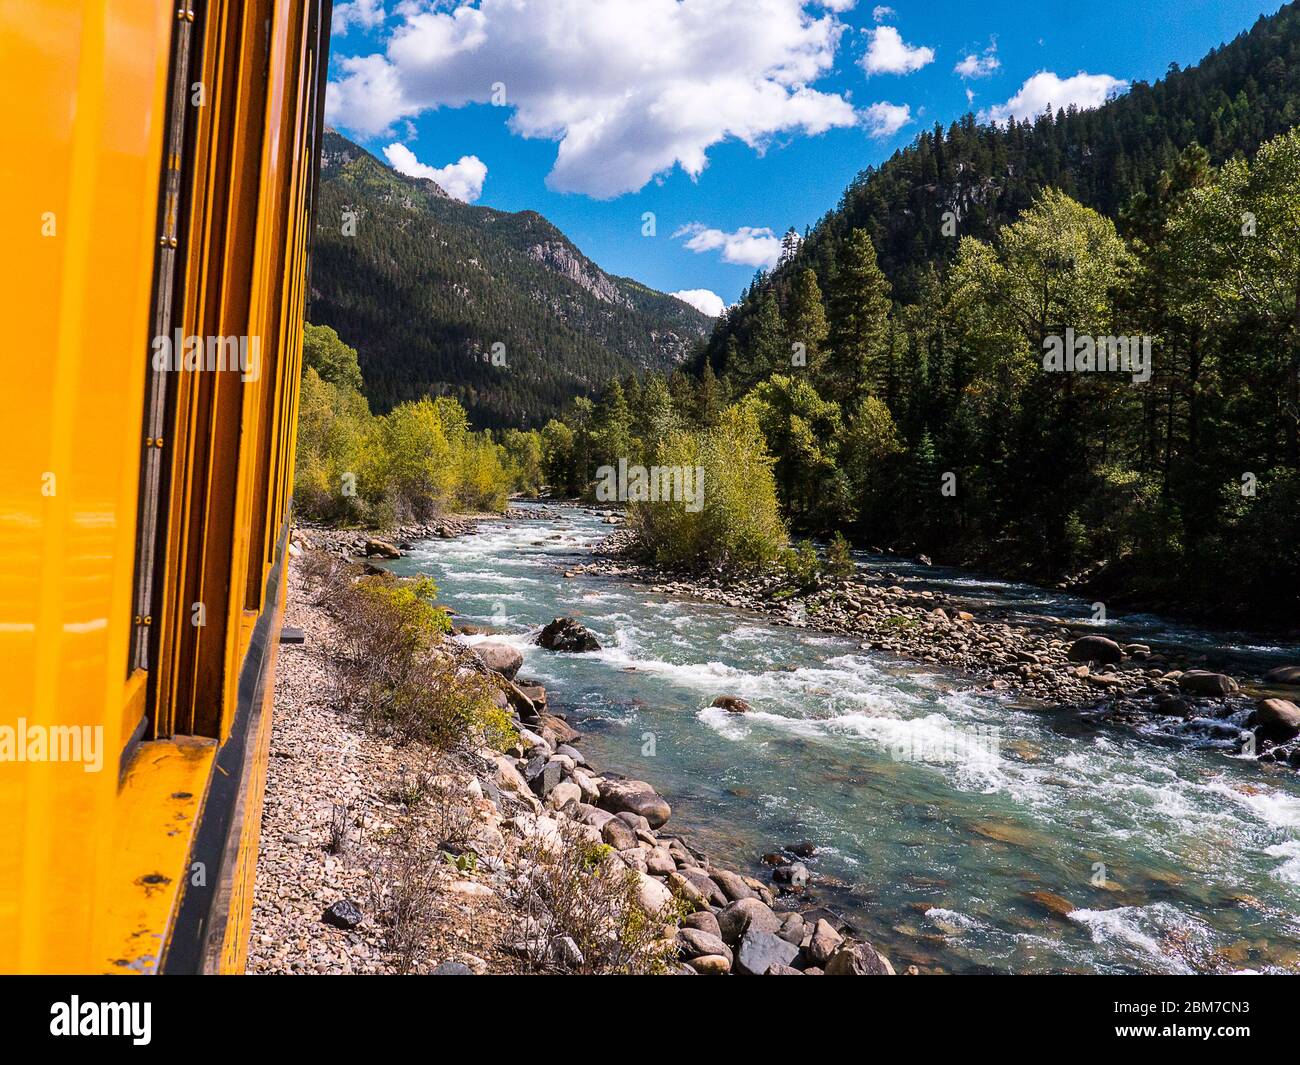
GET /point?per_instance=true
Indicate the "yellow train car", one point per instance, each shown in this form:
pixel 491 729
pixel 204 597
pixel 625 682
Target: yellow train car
pixel 158 175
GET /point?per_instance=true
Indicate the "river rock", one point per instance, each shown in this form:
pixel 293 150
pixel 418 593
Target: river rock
pixel 536 693
pixel 824 943
pixel 500 657
pixel 542 775
pixel 381 549
pixel 794 875
pixel 738 917
pixel 732 885
pixel 635 796
pixel 1095 649
pixel 692 942
pixel 1288 675
pixel 687 890
pixel 733 704
pixel 759 951
pixel 1277 719
pixel 660 861
pixel 704 920
pixel 651 895
pixel 562 794
pixel 793 929
pixel 618 834
pixel 564 732
pixel 567 634
pixel 1203 682
pixel 1171 704
pixel 859 959
pixel 711 965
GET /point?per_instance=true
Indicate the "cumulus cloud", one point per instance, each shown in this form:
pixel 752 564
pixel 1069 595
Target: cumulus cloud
pixel 880 12
pixel 885 119
pixel 1045 89
pixel 747 246
pixel 979 66
pixel 364 14
pixel 703 300
pixel 889 54
pixel 629 89
pixel 461 180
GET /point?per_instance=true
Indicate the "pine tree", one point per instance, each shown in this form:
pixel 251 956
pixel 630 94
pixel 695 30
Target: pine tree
pixel 859 314
pixel 613 426
pixel 806 321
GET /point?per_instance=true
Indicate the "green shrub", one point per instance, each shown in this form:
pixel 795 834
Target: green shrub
pixel 839 563
pixel 392 666
pixel 802 567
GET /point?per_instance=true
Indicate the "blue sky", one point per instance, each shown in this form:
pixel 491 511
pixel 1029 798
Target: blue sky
pixel 725 119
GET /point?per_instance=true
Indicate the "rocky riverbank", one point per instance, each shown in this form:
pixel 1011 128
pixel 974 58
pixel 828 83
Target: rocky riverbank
pixel 379 857
pixel 1048 664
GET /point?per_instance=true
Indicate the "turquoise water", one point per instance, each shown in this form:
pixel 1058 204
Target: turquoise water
pixel 957 830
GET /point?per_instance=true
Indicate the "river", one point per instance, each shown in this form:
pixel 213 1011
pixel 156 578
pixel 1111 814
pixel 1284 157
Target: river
pixel 956 829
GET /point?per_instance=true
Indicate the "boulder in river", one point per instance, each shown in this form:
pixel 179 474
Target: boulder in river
pixel 568 634
pixel 1287 675
pixel 859 959
pixel 733 704
pixel 1203 682
pixel 500 657
pixel 794 875
pixel 381 549
pixel 1095 649
pixel 1277 719
pixel 635 796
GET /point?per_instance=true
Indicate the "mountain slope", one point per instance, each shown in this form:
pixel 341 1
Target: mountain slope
pixel 1237 97
pixel 427 286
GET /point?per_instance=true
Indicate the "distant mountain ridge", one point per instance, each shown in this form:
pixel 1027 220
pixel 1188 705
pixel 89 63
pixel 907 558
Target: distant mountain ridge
pixel 1237 97
pixel 426 287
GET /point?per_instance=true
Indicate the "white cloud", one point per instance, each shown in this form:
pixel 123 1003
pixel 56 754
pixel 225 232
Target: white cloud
pixel 461 180
pixel 747 246
pixel 1045 89
pixel 979 66
pixel 880 12
pixel 364 14
pixel 629 89
pixel 889 54
pixel 703 300
pixel 885 119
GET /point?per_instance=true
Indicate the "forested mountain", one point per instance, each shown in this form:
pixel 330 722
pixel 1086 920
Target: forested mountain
pixel 1236 98
pixel 910 382
pixel 424 286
